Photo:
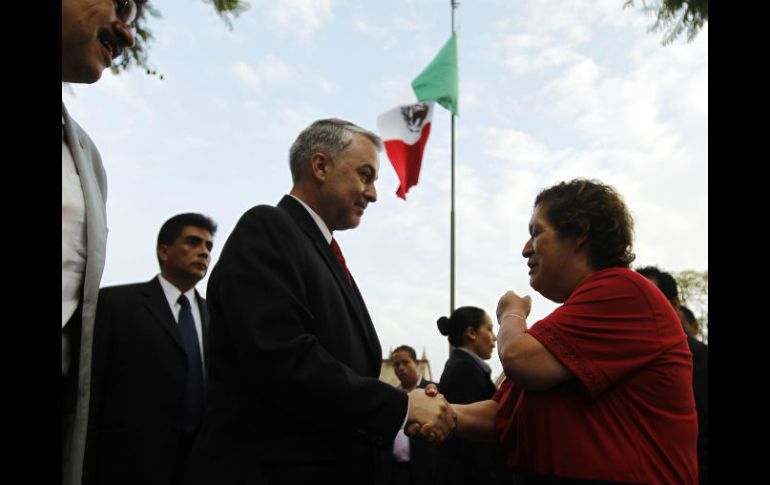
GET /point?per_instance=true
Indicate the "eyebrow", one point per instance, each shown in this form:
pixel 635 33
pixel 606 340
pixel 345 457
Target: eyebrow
pixel 195 240
pixel 370 168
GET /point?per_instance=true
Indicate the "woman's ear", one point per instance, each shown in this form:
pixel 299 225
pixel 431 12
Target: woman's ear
pixel 470 334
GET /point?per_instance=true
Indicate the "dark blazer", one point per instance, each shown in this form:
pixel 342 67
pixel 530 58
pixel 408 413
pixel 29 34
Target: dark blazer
pixel 422 456
pixel 465 462
pixel 700 367
pixel 138 386
pixel 293 392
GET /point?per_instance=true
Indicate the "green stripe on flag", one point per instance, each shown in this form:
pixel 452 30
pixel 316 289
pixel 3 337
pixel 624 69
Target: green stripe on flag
pixel 439 80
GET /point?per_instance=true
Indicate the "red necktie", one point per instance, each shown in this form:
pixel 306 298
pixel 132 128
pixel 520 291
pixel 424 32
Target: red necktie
pixel 341 259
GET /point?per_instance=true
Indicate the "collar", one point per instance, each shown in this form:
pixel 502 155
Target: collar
pixel 319 222
pixel 172 292
pixel 478 360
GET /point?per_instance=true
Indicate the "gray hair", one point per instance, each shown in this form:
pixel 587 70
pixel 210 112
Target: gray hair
pixel 330 137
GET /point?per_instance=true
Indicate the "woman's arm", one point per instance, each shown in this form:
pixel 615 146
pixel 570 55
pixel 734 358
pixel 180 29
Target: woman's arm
pixel 525 360
pixel 476 421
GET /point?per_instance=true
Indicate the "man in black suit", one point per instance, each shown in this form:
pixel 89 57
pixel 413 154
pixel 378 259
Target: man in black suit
pixel 293 392
pixel 149 356
pixel 668 286
pixel 411 459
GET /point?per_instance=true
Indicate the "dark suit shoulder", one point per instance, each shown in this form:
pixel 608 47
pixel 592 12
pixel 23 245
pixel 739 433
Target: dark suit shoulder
pixel 463 381
pixel 265 224
pixel 265 213
pixel 111 291
pixel 459 366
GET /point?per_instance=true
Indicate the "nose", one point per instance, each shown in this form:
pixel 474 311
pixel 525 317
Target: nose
pixel 371 193
pixel 124 34
pixel 204 251
pixel 527 251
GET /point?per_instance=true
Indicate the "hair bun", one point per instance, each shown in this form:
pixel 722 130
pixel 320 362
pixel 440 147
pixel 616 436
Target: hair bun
pixel 443 325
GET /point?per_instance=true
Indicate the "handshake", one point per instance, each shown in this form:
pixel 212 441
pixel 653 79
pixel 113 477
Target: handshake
pixel 431 417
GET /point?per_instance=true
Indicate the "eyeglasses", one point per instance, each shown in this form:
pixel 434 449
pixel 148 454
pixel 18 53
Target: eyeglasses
pixel 126 11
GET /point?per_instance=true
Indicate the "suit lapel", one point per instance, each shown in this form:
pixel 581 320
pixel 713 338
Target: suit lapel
pixel 96 211
pixel 353 297
pixel 155 301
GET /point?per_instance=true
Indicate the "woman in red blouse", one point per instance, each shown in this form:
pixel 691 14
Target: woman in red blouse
pixel 599 391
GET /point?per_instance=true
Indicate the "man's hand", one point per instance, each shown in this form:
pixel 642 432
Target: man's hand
pixel 430 415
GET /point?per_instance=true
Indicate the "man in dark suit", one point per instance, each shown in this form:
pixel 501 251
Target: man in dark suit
pixel 148 364
pixel 293 392
pixel 411 459
pixel 668 286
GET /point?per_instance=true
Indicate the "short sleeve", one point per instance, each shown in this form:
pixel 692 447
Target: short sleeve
pixel 612 325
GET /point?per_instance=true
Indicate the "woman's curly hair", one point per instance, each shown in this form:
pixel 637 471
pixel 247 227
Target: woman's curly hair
pixel 596 211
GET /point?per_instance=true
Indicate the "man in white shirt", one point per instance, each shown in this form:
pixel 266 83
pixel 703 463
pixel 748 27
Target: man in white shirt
pixel 149 364
pixel 93 33
pixel 412 459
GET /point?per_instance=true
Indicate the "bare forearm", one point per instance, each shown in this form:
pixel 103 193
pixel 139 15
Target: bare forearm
pixel 513 327
pixel 476 421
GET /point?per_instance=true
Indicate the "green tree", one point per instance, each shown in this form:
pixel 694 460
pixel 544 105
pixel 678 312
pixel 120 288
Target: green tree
pixel 694 294
pixel 675 16
pixel 138 54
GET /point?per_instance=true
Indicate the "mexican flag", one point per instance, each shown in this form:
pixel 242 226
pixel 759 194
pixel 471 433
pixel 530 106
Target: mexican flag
pixel 405 128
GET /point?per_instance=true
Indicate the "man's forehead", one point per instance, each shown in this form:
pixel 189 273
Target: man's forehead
pixel 196 231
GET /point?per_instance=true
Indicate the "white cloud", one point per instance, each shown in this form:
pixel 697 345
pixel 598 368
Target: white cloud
pixel 246 74
pixel 302 17
pixel 270 69
pixel 274 69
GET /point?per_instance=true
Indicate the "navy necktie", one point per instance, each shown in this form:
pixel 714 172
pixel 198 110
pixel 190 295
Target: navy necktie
pixel 193 402
pixel 341 259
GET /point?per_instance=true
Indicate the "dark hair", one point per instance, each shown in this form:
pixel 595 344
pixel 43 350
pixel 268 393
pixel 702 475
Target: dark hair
pixel 664 281
pixel 172 228
pixel 406 348
pixel 690 317
pixel 596 211
pixel 462 318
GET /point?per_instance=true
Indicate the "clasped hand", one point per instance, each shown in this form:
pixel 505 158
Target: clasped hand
pixel 431 417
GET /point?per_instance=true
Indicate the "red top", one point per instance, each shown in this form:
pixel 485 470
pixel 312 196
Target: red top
pixel 630 414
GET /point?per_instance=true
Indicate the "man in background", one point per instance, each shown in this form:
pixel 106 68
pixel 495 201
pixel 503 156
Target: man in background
pixel 411 459
pixel 148 368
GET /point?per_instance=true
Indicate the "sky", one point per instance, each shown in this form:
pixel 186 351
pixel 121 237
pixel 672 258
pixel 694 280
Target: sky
pixel 549 91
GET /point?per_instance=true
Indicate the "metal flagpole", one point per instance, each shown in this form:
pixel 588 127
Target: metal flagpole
pixel 454 5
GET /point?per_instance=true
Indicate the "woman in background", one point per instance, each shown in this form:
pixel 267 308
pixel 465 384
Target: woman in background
pixel 466 379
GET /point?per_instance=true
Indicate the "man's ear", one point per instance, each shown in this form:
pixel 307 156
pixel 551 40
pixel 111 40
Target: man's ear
pixel 162 252
pixel 319 166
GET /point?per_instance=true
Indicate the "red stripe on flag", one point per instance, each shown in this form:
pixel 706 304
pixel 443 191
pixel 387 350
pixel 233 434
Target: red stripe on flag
pixel 406 160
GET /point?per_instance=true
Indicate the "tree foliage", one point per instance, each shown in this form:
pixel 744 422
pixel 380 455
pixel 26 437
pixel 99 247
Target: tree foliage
pixel 675 16
pixel 694 294
pixel 138 54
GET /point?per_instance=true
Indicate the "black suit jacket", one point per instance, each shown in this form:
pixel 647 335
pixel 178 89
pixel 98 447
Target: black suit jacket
pixel 293 392
pixel 138 378
pixel 462 461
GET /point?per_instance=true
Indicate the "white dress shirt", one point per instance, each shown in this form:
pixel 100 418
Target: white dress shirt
pixel 172 295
